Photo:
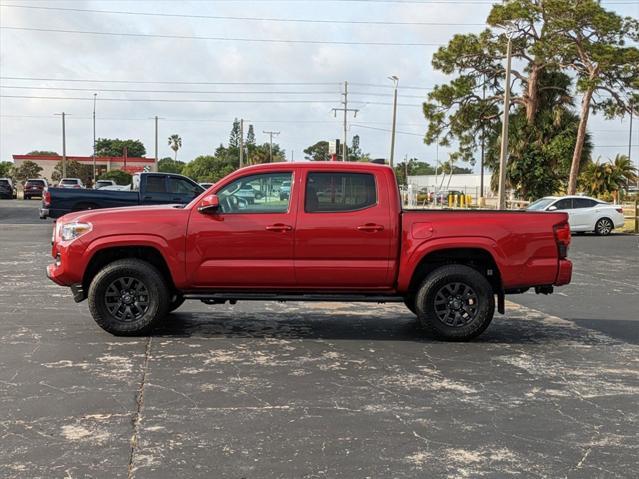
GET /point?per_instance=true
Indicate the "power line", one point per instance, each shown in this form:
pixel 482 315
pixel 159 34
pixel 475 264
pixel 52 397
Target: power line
pixel 126 90
pixel 223 39
pixel 359 125
pixel 165 100
pixel 159 82
pixel 251 19
pixel 230 92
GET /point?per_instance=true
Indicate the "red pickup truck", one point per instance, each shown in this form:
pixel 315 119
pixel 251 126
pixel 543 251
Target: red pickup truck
pixel 339 234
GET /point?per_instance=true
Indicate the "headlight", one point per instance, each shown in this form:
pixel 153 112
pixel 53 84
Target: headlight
pixel 71 231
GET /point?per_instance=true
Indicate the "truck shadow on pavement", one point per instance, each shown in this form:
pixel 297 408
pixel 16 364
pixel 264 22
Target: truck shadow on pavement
pixel 521 326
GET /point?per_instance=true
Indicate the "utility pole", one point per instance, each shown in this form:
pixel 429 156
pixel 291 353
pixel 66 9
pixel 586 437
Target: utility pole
pixel 345 109
pixel 395 80
pixel 270 147
pixel 481 177
pixel 241 142
pixel 156 142
pixel 501 199
pixel 95 96
pixel 630 137
pixel 64 145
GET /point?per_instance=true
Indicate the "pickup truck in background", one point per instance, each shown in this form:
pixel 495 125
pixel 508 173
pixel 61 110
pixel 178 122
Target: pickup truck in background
pixel 147 189
pixel 339 235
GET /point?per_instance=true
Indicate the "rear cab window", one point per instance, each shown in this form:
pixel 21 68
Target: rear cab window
pixel 339 192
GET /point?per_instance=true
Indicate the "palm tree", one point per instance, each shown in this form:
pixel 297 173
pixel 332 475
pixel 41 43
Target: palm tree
pixel 175 142
pixel 609 177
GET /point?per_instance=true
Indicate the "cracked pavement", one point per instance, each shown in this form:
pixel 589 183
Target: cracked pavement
pixel 261 390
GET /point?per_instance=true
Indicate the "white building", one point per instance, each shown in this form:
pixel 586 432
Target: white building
pixel 469 184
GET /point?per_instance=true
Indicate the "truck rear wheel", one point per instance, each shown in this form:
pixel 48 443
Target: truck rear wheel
pixel 455 303
pixel 128 297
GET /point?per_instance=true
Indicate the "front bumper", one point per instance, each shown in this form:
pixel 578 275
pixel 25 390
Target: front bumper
pixel 564 274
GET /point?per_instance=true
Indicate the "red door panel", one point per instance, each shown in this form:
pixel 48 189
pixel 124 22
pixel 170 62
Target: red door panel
pixel 350 246
pixel 247 247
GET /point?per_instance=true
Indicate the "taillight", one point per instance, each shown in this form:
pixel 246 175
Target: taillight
pixel 562 237
pixel 46 198
pixel 619 210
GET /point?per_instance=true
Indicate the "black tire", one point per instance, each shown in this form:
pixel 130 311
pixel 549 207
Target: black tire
pixel 147 306
pixel 177 300
pixel 604 226
pixel 459 291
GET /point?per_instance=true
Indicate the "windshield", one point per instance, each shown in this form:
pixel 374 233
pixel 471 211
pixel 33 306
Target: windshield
pixel 4 182
pixel 69 182
pixel 540 204
pixel 35 182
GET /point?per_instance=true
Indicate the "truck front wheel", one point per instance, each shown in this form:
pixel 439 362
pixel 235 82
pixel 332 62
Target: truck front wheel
pixel 455 303
pixel 128 297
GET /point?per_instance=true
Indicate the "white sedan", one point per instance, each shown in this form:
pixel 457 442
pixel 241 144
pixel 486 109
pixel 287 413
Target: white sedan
pixel 584 213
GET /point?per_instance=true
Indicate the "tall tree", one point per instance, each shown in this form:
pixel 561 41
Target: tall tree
pixel 250 136
pixel 75 169
pixel 539 152
pixel 175 142
pixel 592 42
pixel 468 108
pixel 28 169
pixel 234 137
pixel 317 152
pixel 115 147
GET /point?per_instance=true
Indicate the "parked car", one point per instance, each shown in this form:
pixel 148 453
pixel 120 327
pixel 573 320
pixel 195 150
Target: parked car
pixel 451 268
pixel 7 189
pixel 147 189
pixel 103 183
pixel 285 190
pixel 585 214
pixel 34 187
pixel 246 192
pixel 70 183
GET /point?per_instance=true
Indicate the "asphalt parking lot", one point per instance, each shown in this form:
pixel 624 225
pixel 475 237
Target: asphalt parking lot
pixel 262 390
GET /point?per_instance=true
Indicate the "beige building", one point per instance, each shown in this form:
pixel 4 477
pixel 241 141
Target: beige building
pixel 102 163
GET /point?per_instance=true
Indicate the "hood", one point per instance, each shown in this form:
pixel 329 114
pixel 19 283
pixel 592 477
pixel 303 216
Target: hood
pixel 125 214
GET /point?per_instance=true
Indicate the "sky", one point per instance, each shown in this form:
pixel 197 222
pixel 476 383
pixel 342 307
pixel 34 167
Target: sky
pixel 218 75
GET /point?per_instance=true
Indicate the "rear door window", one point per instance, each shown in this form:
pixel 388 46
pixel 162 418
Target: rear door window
pixel 583 203
pixel 339 192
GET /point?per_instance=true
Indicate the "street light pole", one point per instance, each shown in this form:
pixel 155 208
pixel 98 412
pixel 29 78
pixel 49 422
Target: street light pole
pixel 395 80
pixel 95 96
pixel 64 145
pixel 501 198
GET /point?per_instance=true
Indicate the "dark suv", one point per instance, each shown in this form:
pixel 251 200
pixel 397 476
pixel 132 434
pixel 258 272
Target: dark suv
pixel 7 190
pixel 34 187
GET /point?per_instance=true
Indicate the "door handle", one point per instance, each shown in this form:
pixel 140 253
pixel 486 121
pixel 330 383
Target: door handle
pixel 279 227
pixel 370 227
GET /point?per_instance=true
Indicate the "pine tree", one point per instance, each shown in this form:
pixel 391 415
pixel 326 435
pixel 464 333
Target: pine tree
pixel 250 136
pixel 234 138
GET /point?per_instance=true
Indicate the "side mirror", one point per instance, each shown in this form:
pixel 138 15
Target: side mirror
pixel 552 208
pixel 209 204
